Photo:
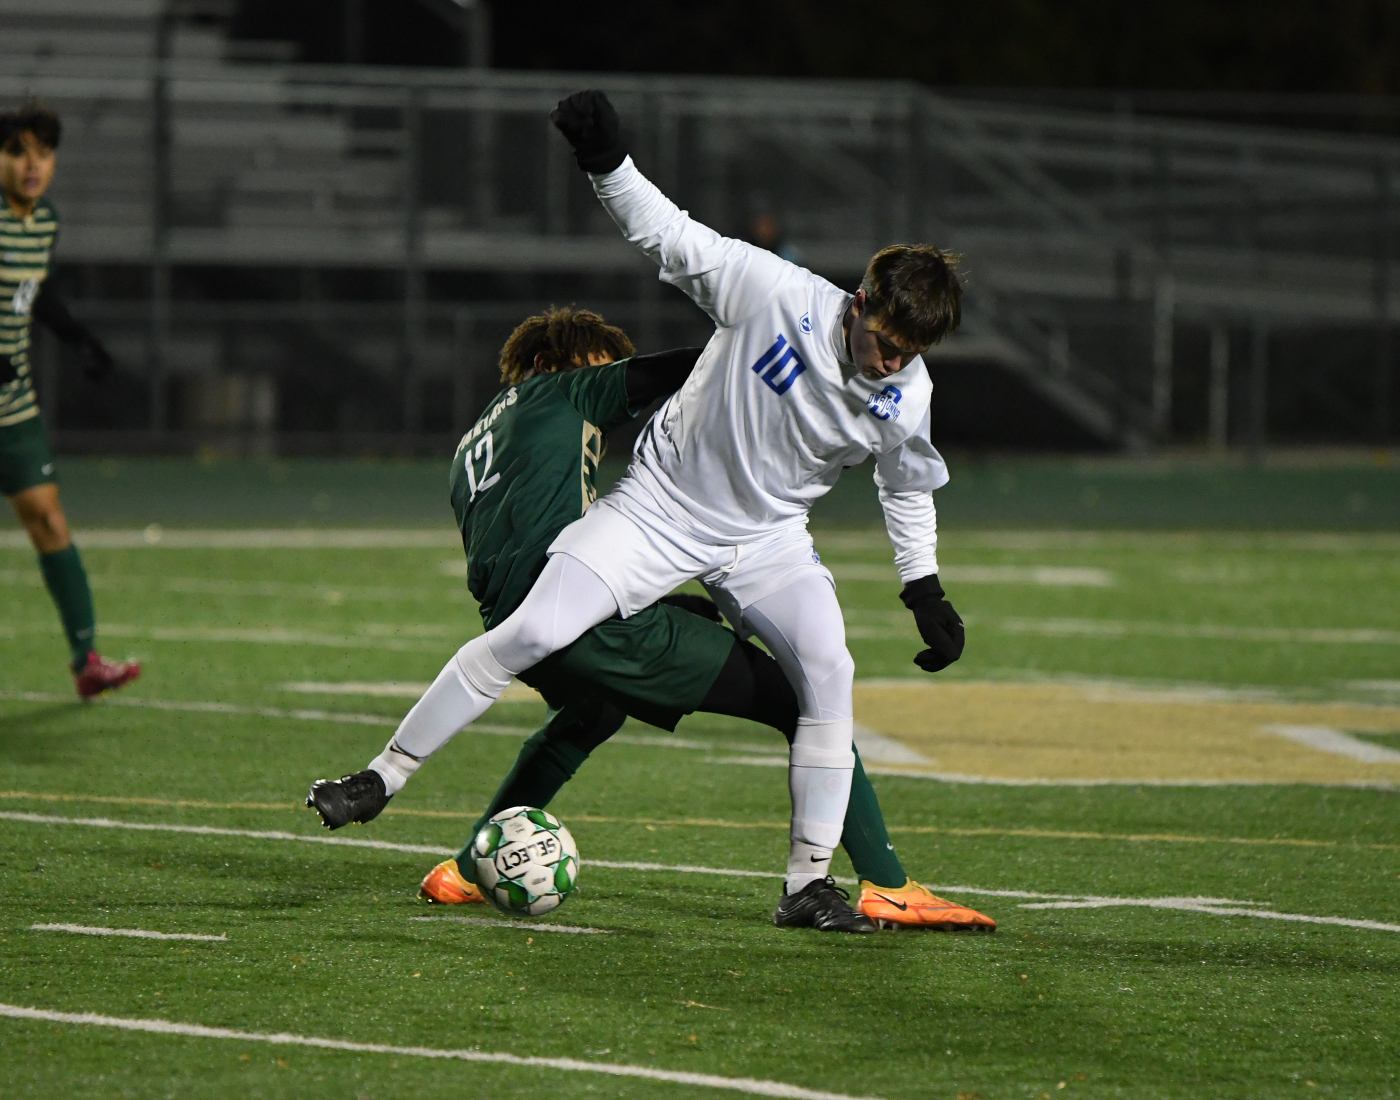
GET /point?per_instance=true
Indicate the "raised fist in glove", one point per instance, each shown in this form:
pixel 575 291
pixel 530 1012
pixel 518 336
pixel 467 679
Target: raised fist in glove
pixel 591 126
pixel 939 625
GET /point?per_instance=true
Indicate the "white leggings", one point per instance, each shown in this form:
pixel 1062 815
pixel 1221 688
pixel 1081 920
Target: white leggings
pixel 803 628
pixel 801 624
pixel 567 600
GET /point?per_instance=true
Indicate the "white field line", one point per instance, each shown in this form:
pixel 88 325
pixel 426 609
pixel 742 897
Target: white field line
pixel 243 636
pixel 487 922
pixel 761 753
pixel 876 748
pixel 344 718
pixel 1008 781
pixel 1208 905
pixel 213 830
pixel 389 689
pixel 399 689
pixel 350 538
pixel 1326 739
pixel 1226 907
pixel 1115 628
pixel 1045 575
pixel 196 706
pixel 134 933
pixel 197 1031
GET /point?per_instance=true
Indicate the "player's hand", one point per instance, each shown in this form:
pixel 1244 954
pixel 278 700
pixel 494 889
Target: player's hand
pixel 939 625
pixel 592 127
pixel 99 362
pixel 696 605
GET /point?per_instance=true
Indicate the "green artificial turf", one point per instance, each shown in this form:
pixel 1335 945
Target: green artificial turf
pixel 1122 1001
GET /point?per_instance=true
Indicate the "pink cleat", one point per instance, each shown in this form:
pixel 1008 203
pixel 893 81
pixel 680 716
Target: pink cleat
pixel 100 675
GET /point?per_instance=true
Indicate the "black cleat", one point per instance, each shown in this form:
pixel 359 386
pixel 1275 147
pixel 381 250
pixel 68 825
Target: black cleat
pixel 822 905
pixel 354 798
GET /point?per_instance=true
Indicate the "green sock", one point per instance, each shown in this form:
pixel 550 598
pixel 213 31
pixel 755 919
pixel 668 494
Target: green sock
pixel 68 585
pixel 864 836
pixel 544 765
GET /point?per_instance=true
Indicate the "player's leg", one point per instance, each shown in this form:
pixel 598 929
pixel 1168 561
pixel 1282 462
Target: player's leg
pixel 601 565
pixel 551 756
pixel 567 599
pixel 752 685
pixel 547 761
pixel 26 478
pixel 802 627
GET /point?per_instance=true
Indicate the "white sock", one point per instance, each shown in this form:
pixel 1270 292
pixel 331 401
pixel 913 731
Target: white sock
pixel 466 686
pixel 819 778
pixel 394 767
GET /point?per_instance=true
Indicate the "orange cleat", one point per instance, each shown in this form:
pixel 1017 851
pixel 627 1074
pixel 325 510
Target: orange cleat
pixel 100 675
pixel 444 885
pixel 915 906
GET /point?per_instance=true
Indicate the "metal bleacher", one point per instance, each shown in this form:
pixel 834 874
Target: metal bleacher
pixel 1109 254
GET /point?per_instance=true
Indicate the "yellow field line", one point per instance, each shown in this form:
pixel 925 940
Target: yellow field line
pixel 720 823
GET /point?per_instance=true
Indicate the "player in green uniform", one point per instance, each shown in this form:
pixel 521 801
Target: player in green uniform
pixel 525 471
pixel 28 231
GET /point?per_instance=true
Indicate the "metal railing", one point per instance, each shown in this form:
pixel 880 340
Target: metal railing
pixel 1067 218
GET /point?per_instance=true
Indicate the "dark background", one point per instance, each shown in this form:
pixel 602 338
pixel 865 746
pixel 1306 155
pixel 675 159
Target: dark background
pixel 1236 45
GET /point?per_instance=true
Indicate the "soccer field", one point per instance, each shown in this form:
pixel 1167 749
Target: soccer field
pixel 1167 765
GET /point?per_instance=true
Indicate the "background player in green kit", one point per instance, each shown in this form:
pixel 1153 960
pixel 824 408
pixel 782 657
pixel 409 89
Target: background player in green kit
pixel 525 471
pixel 28 231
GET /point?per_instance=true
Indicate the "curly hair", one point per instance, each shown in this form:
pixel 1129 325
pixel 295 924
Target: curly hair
pixel 31 117
pixel 567 336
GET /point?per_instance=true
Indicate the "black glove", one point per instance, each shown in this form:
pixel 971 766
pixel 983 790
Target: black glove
pixel 939 625
pixel 53 312
pixel 591 126
pixel 696 605
pixel 98 363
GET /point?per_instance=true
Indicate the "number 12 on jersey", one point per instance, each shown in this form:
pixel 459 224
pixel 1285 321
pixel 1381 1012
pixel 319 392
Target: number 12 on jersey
pixel 480 485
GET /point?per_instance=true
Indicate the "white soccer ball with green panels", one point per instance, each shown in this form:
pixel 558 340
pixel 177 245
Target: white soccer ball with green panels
pixel 526 861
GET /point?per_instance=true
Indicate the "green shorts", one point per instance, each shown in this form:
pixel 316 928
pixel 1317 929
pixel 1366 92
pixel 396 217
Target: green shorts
pixel 25 459
pixel 656 666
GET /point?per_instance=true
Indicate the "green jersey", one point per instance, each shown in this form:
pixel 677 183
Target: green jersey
pixel 25 246
pixel 526 471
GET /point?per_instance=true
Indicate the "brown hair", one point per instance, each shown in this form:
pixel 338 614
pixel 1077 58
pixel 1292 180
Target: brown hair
pixel 567 336
pixel 32 117
pixel 915 292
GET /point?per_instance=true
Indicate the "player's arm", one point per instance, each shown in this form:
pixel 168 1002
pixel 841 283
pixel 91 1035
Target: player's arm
pixel 658 375
pixel 727 278
pixel 51 309
pixel 906 478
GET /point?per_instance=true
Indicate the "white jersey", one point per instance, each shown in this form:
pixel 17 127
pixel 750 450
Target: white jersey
pixel 774 410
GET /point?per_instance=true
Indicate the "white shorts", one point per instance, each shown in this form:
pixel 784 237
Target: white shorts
pixel 641 557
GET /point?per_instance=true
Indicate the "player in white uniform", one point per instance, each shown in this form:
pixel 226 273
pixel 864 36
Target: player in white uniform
pixel 799 381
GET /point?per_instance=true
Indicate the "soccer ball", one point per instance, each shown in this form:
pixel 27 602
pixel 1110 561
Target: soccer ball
pixel 526 861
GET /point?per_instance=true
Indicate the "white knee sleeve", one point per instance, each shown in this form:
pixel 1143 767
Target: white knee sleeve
pixel 819 778
pixel 823 744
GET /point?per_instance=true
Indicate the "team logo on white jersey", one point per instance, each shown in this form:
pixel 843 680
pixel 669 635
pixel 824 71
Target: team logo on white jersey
pixel 805 324
pixel 885 404
pixel 780 365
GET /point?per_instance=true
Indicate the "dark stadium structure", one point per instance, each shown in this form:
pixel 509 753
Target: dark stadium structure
pixel 300 258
